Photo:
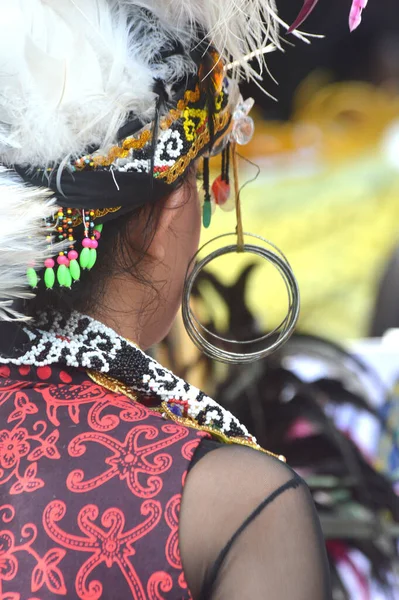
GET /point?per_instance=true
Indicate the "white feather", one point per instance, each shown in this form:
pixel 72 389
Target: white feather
pixel 235 28
pixel 70 73
pixel 23 210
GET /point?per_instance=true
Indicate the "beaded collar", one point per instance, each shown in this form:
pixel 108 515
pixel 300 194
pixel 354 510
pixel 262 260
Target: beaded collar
pixel 120 366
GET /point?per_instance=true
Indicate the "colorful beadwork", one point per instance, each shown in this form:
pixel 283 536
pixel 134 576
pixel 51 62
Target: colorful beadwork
pixel 66 268
pixel 74 267
pixel 88 255
pixel 183 134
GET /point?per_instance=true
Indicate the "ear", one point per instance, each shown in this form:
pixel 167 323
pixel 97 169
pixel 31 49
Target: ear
pixel 172 207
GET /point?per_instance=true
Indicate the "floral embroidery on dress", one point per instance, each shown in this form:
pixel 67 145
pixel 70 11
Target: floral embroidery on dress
pixel 13 446
pixel 46 572
pixel 74 397
pixel 107 543
pixel 16 445
pixel 130 460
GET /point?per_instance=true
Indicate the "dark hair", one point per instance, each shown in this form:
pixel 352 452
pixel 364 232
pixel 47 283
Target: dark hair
pixel 112 258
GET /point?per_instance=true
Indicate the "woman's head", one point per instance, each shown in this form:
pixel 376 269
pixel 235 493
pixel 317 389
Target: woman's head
pixel 143 256
pixel 129 94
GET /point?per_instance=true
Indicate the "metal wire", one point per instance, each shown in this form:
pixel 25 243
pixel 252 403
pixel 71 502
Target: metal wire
pixel 284 330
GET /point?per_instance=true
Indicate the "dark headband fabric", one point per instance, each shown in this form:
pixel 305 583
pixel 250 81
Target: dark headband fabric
pixel 100 189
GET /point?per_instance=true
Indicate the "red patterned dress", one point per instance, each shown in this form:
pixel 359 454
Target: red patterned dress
pixel 89 481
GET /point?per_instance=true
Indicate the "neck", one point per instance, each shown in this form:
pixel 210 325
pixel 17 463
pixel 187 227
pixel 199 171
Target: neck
pixel 125 308
pixel 139 312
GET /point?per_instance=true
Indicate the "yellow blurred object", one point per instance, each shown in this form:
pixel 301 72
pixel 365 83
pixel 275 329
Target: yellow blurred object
pixel 338 119
pixel 328 196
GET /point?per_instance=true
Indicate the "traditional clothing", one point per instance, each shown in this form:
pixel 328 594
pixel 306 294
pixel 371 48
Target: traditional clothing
pixel 95 445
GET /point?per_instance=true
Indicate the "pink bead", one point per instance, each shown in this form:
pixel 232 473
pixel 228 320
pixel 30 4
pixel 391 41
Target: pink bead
pixel 86 243
pixel 73 255
pixel 94 244
pixel 62 260
pixel 49 263
pixel 97 235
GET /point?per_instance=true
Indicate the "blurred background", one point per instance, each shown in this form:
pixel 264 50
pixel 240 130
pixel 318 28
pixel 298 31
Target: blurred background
pixel 328 150
pixel 321 181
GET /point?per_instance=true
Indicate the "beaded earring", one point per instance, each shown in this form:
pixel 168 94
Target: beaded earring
pixel 221 191
pixel 88 255
pixel 63 227
pixel 66 268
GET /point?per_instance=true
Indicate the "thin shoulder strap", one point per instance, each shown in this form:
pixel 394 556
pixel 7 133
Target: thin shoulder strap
pixel 206 591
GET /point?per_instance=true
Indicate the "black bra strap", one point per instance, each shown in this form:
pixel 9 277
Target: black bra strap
pixel 206 592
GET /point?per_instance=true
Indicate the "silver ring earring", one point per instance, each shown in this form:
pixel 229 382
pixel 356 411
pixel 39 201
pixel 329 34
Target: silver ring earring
pixel 206 340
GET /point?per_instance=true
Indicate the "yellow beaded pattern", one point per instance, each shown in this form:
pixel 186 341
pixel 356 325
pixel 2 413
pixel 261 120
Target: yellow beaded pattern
pixel 171 175
pixel 143 138
pixel 112 385
pixel 97 214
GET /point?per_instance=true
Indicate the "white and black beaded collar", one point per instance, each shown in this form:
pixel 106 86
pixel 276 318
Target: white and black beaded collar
pixel 80 341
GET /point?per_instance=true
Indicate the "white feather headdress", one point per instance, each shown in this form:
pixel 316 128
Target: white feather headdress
pixel 72 71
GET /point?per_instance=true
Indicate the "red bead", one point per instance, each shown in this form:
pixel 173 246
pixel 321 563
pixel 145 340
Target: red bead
pixel 86 243
pixel 94 244
pixel 49 263
pixel 73 255
pixel 97 235
pixel 62 260
pixel 221 191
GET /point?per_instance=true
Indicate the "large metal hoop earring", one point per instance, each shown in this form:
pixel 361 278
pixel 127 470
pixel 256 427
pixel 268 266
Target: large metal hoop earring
pixel 272 341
